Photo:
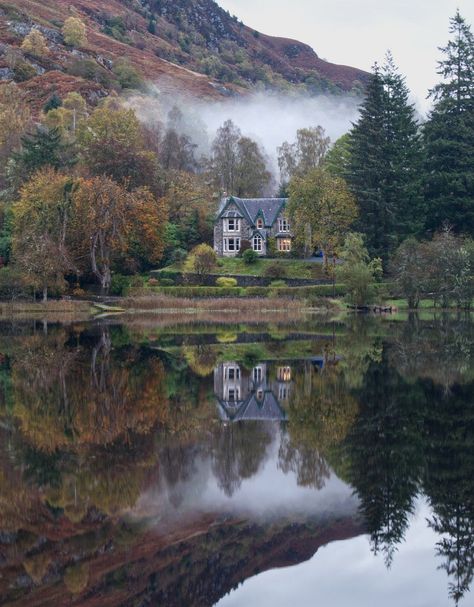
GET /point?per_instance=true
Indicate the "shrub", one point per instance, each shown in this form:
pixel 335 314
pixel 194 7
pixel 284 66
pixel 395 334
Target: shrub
pixel 201 260
pixel 165 282
pixel 154 282
pixel 275 270
pixel 119 284
pixel 13 284
pixel 244 246
pixel 127 76
pixel 250 256
pixel 275 284
pixel 226 282
pixel 23 71
pixel 179 255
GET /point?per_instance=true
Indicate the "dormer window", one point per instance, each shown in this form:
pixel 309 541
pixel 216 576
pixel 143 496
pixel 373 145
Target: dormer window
pixel 232 225
pixel 283 225
pixel 259 223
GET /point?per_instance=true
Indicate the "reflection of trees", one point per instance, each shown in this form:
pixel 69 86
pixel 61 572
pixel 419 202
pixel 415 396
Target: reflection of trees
pixel 385 453
pixel 442 351
pixel 71 396
pixel 449 480
pixel 238 451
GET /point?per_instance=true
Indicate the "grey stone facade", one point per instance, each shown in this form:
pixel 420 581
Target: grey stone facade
pixel 255 220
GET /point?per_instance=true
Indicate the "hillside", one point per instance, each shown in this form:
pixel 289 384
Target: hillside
pixel 191 46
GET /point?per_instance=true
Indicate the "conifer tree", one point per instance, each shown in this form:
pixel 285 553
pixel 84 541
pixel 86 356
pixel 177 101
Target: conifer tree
pixel 449 135
pixel 384 163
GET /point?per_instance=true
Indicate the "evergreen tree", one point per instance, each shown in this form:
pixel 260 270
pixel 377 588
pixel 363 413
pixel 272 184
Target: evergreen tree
pixel 53 103
pixel 43 148
pixel 384 163
pixel 449 135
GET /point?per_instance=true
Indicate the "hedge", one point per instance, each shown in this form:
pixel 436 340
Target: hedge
pixel 297 292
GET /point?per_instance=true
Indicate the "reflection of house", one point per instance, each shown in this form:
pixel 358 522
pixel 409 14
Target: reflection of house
pixel 251 395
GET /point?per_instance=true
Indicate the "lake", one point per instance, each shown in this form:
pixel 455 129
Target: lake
pixel 232 465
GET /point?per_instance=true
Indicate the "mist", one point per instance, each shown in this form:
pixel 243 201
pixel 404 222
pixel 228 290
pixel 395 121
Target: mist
pixel 267 117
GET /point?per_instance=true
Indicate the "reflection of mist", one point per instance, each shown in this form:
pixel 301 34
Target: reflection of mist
pixel 241 474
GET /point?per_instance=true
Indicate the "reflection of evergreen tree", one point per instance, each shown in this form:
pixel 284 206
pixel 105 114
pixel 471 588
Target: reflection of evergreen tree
pixel 449 480
pixel 385 452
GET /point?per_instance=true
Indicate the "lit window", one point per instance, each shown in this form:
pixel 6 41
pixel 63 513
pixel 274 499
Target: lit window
pixel 257 244
pixel 284 373
pixel 284 244
pixel 233 225
pixel 283 225
pixel 260 223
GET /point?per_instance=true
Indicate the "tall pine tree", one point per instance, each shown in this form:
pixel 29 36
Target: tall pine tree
pixel 449 136
pixel 385 162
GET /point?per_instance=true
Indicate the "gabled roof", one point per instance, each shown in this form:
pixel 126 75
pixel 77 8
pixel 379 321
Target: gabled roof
pixel 252 208
pixel 252 409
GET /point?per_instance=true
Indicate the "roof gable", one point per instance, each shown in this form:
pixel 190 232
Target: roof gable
pixel 252 208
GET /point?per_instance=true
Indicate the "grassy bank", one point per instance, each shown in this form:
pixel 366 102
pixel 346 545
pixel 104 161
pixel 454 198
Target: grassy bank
pixel 52 311
pixel 291 268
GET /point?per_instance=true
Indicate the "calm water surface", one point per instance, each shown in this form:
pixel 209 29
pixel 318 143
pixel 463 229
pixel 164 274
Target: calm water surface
pixel 237 465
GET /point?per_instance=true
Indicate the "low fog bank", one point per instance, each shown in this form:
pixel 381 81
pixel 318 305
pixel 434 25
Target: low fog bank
pixel 267 117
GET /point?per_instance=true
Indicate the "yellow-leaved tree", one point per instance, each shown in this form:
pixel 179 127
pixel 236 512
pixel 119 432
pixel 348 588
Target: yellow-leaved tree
pixel 74 32
pixel 41 220
pixel 35 44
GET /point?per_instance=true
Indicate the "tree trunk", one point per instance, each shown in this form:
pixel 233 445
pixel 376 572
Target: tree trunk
pixel 45 294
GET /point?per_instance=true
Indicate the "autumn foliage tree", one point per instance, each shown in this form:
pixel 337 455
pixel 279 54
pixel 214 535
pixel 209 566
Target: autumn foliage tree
pixel 42 217
pixel 111 143
pixel 74 32
pixel 35 44
pixel 322 210
pixel 114 222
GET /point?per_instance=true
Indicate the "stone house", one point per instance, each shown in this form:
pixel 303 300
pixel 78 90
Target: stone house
pixel 256 220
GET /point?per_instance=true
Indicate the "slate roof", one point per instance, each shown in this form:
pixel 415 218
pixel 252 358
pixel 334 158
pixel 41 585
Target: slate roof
pixel 252 409
pixel 270 208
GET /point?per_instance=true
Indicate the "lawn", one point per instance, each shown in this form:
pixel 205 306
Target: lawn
pixel 294 268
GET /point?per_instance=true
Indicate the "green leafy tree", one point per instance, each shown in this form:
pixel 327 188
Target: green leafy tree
pixel 358 272
pixel 449 136
pixel 322 211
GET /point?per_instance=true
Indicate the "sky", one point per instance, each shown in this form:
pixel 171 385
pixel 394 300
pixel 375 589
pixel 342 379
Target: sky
pixel 359 32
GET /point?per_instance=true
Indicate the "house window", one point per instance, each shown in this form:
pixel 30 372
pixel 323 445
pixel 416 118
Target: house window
pixel 232 245
pixel 257 244
pixel 260 223
pixel 284 373
pixel 233 225
pixel 260 395
pixel 233 395
pixel 283 225
pixel 284 244
pixel 257 375
pixel 282 393
pixel 232 373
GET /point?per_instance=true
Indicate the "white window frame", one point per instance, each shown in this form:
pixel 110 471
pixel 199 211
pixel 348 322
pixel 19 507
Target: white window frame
pixel 259 223
pixel 257 244
pixel 235 224
pixel 284 245
pixel 257 374
pixel 283 225
pixel 236 245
